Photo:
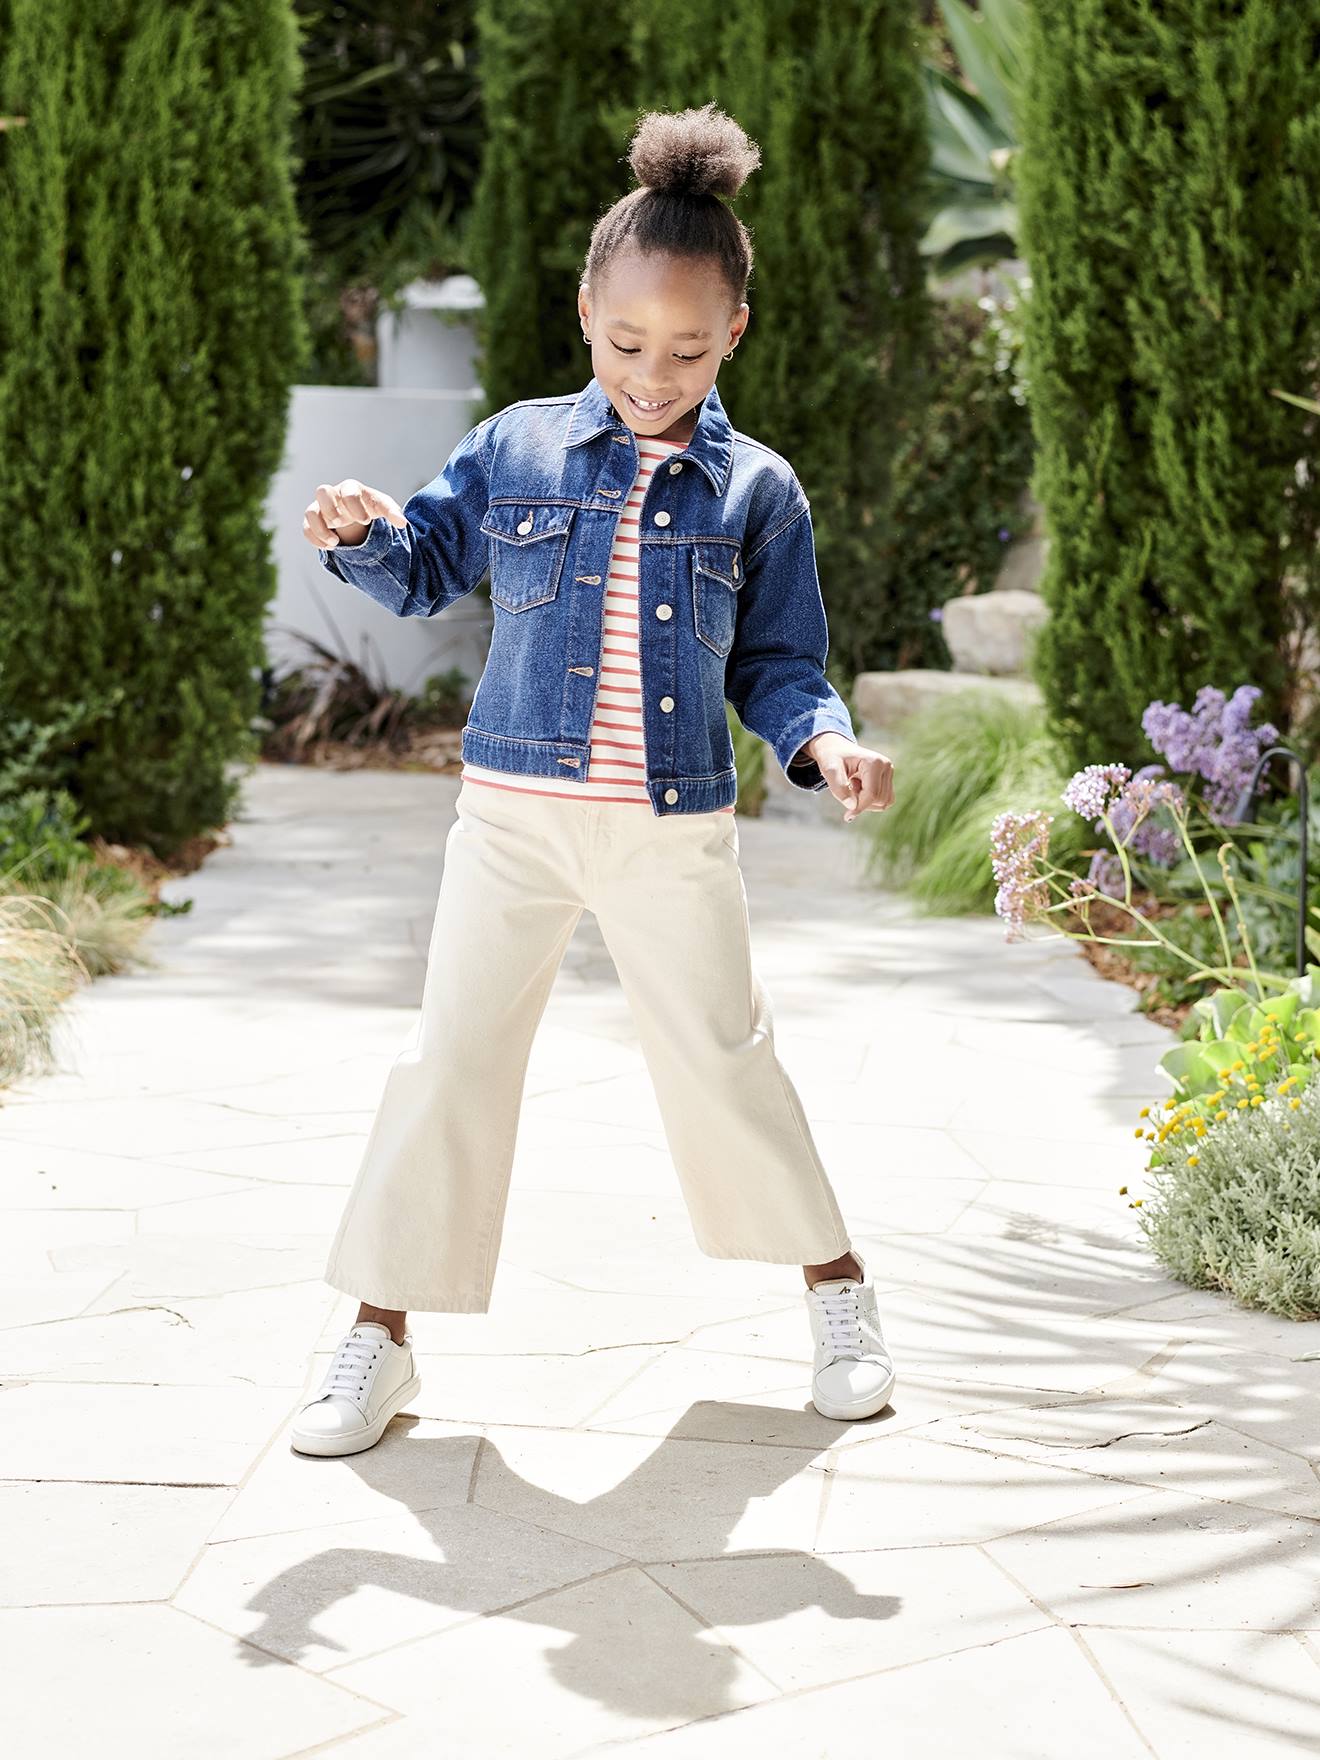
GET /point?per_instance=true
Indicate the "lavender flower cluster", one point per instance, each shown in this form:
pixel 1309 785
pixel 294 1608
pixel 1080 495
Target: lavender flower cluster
pixel 1212 740
pixel 1128 800
pixel 1017 842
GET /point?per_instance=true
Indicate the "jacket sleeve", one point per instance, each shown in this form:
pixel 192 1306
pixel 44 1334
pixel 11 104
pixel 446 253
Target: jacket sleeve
pixel 776 672
pixel 442 553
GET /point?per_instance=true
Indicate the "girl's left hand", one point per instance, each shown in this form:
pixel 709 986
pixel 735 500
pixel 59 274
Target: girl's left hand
pixel 854 774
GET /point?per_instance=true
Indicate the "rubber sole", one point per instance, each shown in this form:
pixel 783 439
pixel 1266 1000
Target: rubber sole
pixel 306 1442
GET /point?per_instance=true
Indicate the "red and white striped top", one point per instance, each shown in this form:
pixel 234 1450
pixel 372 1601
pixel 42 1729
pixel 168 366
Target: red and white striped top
pixel 616 770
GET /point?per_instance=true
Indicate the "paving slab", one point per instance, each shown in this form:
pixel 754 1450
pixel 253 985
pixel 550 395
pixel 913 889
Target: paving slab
pixel 612 1520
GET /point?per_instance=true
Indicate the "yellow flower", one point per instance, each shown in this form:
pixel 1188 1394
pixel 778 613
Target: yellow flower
pixel 1238 1065
pixel 1286 1083
pixel 1259 1100
pixel 1138 1132
pixel 1144 1113
pixel 1241 1104
pixel 1192 1160
pixel 1220 1117
pixel 1293 1105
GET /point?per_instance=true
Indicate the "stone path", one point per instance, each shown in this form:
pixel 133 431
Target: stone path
pixel 1086 1527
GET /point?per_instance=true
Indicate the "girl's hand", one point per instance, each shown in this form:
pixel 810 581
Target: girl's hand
pixel 342 513
pixel 854 774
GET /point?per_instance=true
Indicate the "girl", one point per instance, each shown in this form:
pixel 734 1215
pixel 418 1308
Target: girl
pixel 646 561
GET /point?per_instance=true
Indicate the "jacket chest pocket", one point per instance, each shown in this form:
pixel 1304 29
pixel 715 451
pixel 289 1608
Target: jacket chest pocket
pixel 527 549
pixel 716 578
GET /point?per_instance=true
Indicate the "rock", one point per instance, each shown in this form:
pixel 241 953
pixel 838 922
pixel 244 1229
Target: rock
pixel 991 632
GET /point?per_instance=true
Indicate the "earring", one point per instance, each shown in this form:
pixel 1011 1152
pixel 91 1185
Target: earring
pixel 729 356
pixel 585 337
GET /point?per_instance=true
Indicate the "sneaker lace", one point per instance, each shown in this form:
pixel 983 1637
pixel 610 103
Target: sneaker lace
pixel 347 1373
pixel 846 1330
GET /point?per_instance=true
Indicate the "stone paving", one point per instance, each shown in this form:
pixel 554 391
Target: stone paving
pixel 1085 1527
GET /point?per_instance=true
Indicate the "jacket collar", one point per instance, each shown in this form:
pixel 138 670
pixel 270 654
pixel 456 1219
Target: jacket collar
pixel 711 445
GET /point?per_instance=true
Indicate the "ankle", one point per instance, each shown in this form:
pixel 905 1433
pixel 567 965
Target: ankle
pixel 396 1319
pixel 844 1266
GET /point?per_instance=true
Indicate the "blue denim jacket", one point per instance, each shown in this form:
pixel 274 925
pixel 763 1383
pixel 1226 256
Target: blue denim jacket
pixel 729 600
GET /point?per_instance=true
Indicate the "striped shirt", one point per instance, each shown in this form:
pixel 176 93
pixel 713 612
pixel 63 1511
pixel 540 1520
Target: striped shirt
pixel 616 768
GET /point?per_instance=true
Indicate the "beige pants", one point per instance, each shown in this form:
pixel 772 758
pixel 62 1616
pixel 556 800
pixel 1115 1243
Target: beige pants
pixel 422 1225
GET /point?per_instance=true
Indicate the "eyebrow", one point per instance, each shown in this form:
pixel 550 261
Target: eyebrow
pixel 637 330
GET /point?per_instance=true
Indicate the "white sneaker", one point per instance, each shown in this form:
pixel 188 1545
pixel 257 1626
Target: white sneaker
pixel 369 1379
pixel 853 1373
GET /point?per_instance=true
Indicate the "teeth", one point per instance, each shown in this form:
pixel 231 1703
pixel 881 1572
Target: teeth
pixel 643 404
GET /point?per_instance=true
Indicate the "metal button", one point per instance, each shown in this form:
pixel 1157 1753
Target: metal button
pixel 622 439
pixel 664 612
pixel 662 518
pixel 735 568
pixel 592 580
pixel 524 526
pixel 675 468
pixel 671 795
pixel 666 703
pixel 609 492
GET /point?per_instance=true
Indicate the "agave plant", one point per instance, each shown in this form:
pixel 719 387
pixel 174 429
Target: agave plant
pixel 973 136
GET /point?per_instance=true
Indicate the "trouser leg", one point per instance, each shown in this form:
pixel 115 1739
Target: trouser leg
pixel 422 1225
pixel 672 908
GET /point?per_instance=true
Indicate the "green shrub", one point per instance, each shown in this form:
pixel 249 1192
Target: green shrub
pixel 961 763
pixel 150 328
pixel 1166 185
pixel 1238 1208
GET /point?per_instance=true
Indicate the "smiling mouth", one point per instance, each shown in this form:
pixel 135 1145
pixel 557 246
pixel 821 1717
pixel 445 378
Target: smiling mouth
pixel 649 409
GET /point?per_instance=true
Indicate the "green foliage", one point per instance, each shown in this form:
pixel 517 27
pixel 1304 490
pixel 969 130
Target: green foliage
pixel 1166 183
pixel 149 330
pixel 749 757
pixel 962 762
pixel 1239 1050
pixel 389 140
pixel 959 480
pixel 973 136
pixel 834 369
pixel 1238 1208
pixel 39 971
pixel 552 163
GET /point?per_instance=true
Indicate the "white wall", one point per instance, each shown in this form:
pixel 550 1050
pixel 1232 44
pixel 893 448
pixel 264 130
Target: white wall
pixel 396 440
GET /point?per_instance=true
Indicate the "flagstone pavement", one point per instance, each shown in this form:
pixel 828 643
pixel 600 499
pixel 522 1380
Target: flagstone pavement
pixel 1085 1527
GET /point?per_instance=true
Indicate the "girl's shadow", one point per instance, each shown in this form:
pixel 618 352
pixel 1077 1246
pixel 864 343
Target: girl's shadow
pixel 634 1642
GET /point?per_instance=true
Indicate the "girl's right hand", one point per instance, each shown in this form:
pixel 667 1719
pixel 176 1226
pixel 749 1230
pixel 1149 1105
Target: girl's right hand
pixel 342 513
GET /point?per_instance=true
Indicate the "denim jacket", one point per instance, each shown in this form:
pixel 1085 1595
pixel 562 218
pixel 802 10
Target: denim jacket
pixel 729 600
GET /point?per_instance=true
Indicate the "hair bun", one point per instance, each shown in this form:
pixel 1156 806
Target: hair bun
pixel 692 152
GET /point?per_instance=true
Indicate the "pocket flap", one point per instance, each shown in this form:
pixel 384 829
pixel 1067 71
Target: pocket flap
pixel 719 558
pixel 521 522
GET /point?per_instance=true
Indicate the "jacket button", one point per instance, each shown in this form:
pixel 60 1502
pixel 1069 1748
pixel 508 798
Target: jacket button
pixel 675 468
pixel 735 568
pixel 671 795
pixel 664 612
pixel 524 526
pixel 666 703
pixel 662 518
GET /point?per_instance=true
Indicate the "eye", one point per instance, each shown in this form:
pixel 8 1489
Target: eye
pixel 686 359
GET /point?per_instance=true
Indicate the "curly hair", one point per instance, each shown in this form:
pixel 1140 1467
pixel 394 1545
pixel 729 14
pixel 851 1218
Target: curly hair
pixel 687 164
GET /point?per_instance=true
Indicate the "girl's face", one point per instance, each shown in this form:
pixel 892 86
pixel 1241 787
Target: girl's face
pixel 659 328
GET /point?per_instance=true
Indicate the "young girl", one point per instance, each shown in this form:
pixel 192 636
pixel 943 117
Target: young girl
pixel 646 561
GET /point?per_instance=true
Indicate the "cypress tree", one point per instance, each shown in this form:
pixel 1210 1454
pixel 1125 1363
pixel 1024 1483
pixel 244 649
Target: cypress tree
pixel 834 369
pixel 1168 185
pixel 150 329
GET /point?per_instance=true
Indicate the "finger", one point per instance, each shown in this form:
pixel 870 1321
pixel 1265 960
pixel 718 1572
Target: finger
pixel 316 531
pixel 331 506
pixel 383 506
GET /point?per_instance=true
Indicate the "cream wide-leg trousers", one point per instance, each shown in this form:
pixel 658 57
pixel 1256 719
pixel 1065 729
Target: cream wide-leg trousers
pixel 422 1225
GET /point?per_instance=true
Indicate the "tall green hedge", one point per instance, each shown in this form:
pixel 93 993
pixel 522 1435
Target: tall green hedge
pixel 834 369
pixel 150 330
pixel 1169 185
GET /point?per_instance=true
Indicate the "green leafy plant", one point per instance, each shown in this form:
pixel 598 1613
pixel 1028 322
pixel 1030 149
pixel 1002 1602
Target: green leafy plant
pixel 1237 1208
pixel 973 136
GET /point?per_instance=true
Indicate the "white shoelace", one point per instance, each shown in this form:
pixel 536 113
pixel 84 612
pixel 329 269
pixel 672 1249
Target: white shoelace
pixel 841 1313
pixel 347 1374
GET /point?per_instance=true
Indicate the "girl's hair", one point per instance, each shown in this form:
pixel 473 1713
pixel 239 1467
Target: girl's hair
pixel 685 162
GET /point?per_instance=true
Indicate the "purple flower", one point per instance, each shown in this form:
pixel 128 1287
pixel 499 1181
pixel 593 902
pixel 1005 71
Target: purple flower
pixel 1212 740
pixel 937 614
pixel 1106 874
pixel 1004 534
pixel 1017 841
pixel 1089 791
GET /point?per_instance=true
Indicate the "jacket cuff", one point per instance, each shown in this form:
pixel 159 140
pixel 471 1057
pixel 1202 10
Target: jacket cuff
pixel 375 545
pixel 805 773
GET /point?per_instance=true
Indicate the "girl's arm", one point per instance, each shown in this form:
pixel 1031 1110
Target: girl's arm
pixel 776 673
pixel 441 554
